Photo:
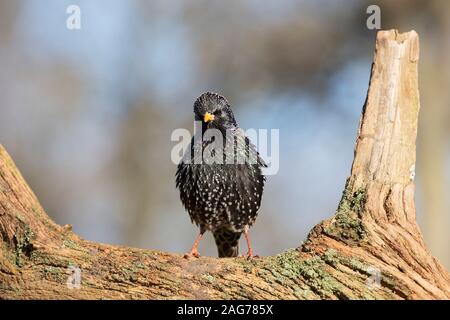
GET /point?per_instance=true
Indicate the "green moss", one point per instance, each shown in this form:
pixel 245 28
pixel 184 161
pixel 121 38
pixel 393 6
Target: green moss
pixel 314 276
pixel 303 293
pixel 347 224
pixel 128 274
pixel 138 265
pixel 37 211
pixel 24 247
pixel 68 243
pixel 124 275
pixel 266 274
pixel 20 216
pixel 248 269
pixel 208 277
pixel 71 262
pixel 314 272
pixel 358 201
pixel 54 273
pixel 388 280
pixel 290 265
pixel 116 278
pixel 42 258
pixel 355 264
pixel 51 269
pixel 331 257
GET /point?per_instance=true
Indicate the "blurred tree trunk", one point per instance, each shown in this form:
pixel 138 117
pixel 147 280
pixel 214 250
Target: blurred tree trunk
pixel 434 137
pixel 370 249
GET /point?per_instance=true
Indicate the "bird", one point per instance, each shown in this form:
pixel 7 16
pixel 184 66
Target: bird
pixel 221 196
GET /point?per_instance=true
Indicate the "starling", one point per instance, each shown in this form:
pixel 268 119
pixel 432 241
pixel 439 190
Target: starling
pixel 222 196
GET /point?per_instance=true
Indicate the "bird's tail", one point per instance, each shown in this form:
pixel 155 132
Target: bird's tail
pixel 227 242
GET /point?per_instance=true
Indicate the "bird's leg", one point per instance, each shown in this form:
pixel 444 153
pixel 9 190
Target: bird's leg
pixel 194 251
pixel 249 246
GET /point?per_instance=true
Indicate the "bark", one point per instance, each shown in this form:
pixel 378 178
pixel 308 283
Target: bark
pixel 371 248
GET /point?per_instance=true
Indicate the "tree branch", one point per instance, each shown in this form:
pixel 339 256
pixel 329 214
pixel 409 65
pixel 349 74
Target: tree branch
pixel 371 248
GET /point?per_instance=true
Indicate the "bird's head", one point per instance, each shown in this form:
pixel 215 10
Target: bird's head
pixel 214 111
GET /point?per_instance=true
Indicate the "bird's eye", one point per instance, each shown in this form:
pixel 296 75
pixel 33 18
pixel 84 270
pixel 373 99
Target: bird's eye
pixel 217 112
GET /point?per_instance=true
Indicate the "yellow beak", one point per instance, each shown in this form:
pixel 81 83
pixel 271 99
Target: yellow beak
pixel 208 117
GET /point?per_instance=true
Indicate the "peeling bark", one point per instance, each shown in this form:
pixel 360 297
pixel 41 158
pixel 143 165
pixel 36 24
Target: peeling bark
pixel 371 248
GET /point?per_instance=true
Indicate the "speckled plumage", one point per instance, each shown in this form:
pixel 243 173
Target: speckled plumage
pixel 222 198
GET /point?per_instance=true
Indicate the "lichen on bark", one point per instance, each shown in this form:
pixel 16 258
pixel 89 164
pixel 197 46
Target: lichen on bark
pixel 347 224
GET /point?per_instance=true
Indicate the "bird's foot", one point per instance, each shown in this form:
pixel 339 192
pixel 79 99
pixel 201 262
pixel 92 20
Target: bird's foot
pixel 192 253
pixel 249 255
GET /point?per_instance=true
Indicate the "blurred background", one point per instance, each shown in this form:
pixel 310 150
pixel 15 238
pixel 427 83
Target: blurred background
pixel 87 114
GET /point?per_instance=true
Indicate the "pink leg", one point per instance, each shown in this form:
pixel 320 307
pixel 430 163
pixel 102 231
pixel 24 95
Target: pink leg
pixel 194 250
pixel 249 246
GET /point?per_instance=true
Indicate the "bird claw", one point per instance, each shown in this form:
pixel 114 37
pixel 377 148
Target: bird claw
pixel 191 254
pixel 248 256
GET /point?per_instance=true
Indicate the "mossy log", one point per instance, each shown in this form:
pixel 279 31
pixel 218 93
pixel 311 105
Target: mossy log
pixel 371 248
